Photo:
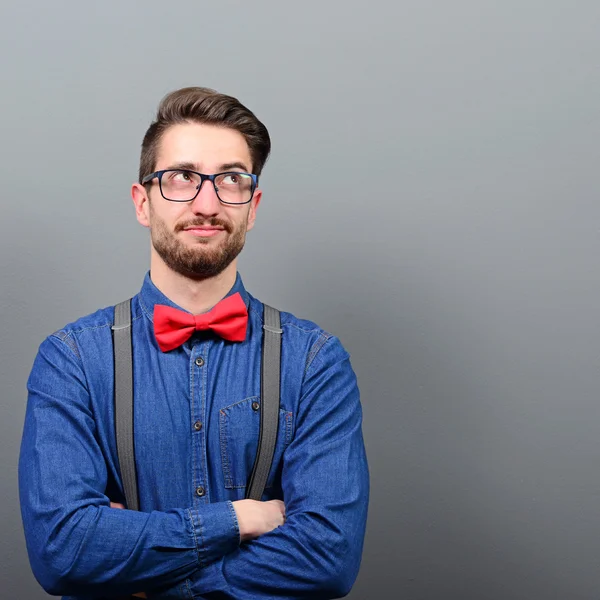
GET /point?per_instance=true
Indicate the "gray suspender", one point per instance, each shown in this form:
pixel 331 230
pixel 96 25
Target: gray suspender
pixel 124 401
pixel 269 416
pixel 269 413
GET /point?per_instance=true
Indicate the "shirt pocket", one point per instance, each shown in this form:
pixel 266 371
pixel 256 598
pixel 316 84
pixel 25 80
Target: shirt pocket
pixel 239 427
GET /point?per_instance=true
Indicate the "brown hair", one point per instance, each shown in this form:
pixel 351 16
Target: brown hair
pixel 203 105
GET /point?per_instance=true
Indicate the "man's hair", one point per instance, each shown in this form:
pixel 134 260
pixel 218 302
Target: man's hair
pixel 206 106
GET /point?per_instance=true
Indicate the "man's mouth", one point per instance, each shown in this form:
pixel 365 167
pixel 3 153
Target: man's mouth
pixel 204 230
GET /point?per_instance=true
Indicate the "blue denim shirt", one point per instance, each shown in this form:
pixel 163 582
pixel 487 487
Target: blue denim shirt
pixel 196 435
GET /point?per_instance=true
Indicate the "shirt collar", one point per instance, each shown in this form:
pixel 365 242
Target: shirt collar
pixel 150 295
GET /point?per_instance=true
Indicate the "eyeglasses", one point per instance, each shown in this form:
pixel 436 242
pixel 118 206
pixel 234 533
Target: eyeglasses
pixel 231 187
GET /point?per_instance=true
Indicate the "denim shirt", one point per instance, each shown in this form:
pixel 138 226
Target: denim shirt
pixel 196 435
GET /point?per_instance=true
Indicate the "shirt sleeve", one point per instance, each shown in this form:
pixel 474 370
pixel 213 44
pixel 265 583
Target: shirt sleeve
pixel 77 543
pixel 325 480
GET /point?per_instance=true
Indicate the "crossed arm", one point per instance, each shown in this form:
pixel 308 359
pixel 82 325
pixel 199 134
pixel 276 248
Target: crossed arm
pixel 254 519
pixel 79 544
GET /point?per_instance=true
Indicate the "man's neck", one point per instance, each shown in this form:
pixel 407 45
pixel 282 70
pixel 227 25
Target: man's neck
pixel 195 296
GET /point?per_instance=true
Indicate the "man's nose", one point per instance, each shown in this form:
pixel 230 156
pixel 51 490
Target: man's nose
pixel 206 202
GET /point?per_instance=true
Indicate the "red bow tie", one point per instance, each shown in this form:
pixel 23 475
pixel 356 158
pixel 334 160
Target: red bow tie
pixel 228 319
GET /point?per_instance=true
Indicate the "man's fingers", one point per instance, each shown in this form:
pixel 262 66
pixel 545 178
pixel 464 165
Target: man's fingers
pixel 281 506
pixel 116 505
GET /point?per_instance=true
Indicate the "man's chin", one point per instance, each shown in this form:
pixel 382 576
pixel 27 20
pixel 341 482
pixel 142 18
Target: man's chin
pixel 194 268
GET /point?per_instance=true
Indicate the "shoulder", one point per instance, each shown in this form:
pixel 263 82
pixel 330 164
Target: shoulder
pixel 91 329
pixel 100 319
pixel 303 336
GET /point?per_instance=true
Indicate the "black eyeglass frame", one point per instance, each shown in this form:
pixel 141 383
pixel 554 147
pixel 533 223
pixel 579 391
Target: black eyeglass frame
pixel 203 178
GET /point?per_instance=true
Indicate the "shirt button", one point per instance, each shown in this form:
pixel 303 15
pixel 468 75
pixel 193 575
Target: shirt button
pixel 199 361
pixel 197 426
pixel 255 405
pixel 200 491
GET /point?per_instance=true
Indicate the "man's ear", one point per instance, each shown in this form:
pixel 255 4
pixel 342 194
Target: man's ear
pixel 141 203
pixel 253 208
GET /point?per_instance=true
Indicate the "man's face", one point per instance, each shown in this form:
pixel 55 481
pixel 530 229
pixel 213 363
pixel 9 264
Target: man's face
pixel 201 238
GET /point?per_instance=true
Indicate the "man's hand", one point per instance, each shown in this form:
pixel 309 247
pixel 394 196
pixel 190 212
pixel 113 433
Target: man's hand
pixel 256 518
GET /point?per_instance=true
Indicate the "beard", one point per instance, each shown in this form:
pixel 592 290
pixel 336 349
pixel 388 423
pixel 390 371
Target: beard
pixel 203 259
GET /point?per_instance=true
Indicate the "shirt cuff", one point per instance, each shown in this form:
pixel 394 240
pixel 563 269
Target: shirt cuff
pixel 216 531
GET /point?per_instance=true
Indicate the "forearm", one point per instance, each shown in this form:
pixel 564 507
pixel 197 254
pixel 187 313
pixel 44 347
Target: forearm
pixel 309 557
pixel 315 554
pixel 100 550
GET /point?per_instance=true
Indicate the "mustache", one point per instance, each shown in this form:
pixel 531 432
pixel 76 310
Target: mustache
pixel 213 222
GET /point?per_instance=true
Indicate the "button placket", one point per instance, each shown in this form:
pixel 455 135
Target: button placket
pixel 198 375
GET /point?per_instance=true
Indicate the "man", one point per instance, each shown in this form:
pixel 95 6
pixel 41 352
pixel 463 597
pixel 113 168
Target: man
pixel 197 397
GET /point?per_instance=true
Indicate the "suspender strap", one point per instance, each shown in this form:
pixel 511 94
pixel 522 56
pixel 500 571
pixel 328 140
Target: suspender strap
pixel 124 401
pixel 270 393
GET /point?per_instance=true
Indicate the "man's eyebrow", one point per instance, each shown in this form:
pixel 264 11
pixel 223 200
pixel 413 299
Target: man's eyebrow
pixel 233 165
pixel 188 166
pixel 183 166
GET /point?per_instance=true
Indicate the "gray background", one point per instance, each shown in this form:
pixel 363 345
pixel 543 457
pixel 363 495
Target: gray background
pixel 431 199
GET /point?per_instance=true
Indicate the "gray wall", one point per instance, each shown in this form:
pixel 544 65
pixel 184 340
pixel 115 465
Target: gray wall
pixel 431 199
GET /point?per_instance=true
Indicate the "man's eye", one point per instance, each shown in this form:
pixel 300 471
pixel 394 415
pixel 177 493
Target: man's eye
pixel 181 176
pixel 232 179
